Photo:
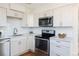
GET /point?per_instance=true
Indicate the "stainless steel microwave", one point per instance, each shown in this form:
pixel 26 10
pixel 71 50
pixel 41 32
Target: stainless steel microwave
pixel 46 22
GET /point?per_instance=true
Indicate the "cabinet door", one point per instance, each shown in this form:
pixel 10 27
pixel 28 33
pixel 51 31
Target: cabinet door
pixel 31 43
pixel 49 13
pixel 24 21
pixel 68 16
pixel 3 17
pixel 12 13
pixel 18 45
pixel 57 17
pixel 15 47
pixel 22 44
pixel 18 7
pixel 30 20
pixel 36 20
pixel 4 5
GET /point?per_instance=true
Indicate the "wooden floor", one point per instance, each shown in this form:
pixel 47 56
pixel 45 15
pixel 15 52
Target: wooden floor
pixel 36 53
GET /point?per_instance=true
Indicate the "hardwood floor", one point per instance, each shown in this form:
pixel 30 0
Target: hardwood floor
pixel 36 53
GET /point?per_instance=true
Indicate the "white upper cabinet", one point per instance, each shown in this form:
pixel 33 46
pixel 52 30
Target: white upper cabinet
pixel 13 13
pixel 3 18
pixel 4 5
pixel 18 7
pixel 49 13
pixel 64 16
pixel 30 20
pixel 36 21
pixel 57 17
pixel 68 15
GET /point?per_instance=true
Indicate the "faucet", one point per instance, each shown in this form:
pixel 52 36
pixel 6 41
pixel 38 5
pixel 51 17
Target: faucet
pixel 15 31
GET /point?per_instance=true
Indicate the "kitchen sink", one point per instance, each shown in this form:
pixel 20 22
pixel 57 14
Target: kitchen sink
pixel 17 34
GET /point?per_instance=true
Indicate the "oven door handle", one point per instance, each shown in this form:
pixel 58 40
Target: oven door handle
pixel 41 39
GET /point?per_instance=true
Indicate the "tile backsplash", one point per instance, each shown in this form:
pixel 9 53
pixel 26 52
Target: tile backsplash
pixel 37 30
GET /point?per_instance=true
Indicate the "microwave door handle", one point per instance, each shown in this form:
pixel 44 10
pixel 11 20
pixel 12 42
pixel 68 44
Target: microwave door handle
pixel 48 21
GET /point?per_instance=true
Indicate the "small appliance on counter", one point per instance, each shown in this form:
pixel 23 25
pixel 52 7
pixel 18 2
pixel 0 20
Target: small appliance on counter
pixel 42 42
pixel 15 31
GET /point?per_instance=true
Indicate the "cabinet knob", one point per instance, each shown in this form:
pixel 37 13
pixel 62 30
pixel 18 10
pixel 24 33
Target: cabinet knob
pixel 58 41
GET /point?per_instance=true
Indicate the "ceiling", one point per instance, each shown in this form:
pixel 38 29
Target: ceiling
pixel 40 5
pixel 43 6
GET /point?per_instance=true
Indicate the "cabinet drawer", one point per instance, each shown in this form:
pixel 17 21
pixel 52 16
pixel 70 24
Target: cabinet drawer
pixel 62 43
pixel 62 50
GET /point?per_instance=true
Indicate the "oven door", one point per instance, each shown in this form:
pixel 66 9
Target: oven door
pixel 41 44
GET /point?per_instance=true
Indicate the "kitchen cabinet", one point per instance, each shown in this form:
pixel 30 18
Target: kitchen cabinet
pixel 18 7
pixel 68 15
pixel 23 44
pixel 36 20
pixel 48 13
pixel 57 17
pixel 64 16
pixel 3 17
pixel 18 45
pixel 4 5
pixel 15 14
pixel 24 21
pixel 59 47
pixel 31 42
pixel 30 20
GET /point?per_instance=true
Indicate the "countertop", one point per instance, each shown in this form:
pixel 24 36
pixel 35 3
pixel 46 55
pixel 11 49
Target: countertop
pixel 61 39
pixel 3 40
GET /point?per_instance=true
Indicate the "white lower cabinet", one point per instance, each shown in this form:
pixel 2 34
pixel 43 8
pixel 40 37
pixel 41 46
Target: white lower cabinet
pixel 31 42
pixel 18 45
pixel 59 47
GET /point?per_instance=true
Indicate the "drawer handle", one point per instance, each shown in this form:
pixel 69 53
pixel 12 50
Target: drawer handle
pixel 58 46
pixel 58 41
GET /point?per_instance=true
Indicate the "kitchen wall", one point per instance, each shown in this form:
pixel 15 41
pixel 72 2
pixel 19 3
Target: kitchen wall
pixel 11 24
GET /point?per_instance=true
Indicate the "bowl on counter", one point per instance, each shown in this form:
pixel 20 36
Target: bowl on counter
pixel 62 35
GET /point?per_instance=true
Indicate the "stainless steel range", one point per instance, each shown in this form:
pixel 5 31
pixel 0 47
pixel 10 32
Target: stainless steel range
pixel 43 42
